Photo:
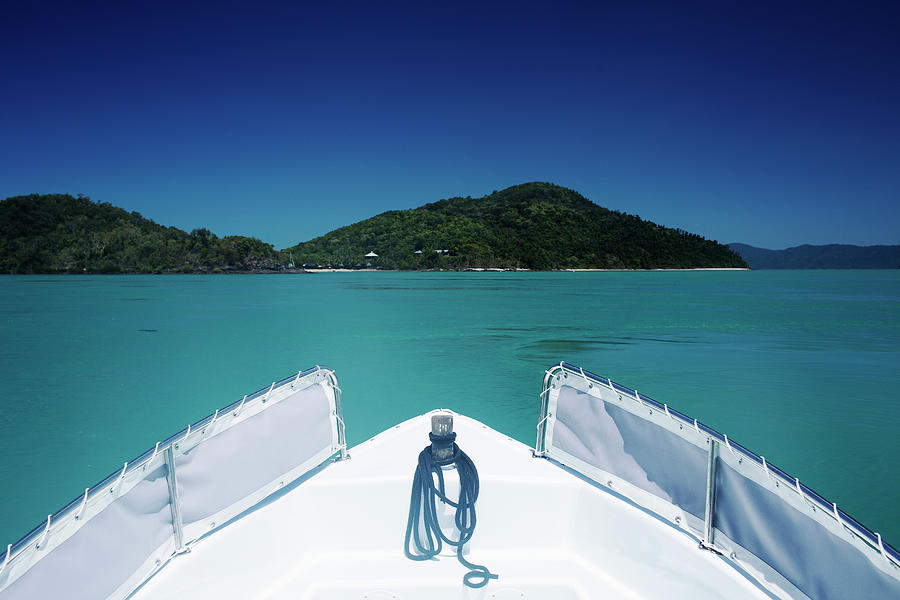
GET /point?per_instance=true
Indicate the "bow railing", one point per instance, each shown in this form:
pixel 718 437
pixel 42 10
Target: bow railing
pixel 791 540
pixel 117 534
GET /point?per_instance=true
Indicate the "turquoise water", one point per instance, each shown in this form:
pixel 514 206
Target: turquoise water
pixel 800 366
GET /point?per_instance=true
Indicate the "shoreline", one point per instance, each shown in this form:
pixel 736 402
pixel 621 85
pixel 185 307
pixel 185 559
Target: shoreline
pixel 687 269
pixel 314 271
pixel 489 270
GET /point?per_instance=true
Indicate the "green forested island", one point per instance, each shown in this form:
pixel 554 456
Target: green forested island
pixel 528 226
pixel 58 233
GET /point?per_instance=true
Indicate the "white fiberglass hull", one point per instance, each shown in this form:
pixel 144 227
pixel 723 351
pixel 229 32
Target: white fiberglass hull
pixel 622 497
pixel 546 532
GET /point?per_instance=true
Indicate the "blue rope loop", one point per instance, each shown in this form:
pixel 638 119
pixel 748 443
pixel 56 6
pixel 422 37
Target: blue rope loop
pixel 425 492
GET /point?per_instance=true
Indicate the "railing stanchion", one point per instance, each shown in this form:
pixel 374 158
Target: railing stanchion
pixel 708 539
pixel 541 442
pixel 338 412
pixel 173 497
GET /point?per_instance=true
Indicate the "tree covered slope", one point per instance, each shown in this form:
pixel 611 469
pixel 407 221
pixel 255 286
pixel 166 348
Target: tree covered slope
pixel 57 233
pixel 533 225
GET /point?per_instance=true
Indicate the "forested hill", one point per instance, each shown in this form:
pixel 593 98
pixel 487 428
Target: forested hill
pixel 60 233
pixel 532 225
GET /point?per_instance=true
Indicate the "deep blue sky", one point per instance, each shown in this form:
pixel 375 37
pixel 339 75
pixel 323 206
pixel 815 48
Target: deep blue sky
pixel 771 124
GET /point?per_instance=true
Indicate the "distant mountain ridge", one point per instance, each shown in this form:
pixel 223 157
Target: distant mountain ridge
pixel 830 256
pixel 532 225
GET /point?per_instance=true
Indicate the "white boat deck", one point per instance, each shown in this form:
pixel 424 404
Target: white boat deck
pixel 547 534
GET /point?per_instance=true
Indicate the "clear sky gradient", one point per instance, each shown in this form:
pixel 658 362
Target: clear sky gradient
pixel 773 124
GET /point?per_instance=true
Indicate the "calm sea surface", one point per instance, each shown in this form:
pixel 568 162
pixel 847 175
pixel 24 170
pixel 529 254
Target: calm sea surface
pixel 800 366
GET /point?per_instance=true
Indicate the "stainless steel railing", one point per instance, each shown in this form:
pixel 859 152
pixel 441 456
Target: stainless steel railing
pixel 732 500
pixel 155 506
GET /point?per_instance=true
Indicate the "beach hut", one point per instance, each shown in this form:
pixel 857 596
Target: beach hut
pixel 371 255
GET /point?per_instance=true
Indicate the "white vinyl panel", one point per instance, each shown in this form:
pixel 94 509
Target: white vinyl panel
pixel 108 551
pixel 253 455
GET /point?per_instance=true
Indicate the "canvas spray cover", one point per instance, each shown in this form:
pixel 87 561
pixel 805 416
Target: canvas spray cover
pixel 772 528
pixel 132 524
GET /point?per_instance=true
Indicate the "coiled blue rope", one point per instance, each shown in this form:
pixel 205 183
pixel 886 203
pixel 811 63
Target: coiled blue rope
pixel 423 489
